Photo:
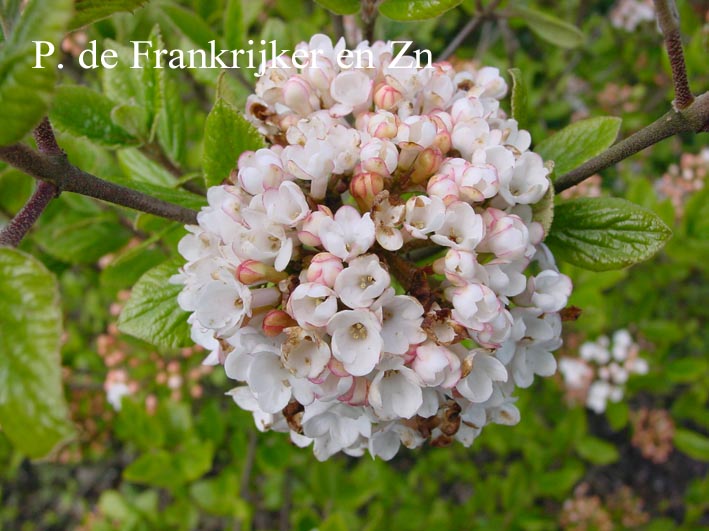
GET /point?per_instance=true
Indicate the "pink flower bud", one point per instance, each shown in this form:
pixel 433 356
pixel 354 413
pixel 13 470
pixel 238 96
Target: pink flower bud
pixel 364 187
pixel 323 269
pixel 383 125
pixel 426 164
pixel 444 187
pixel 309 233
pixel 276 321
pixel 386 97
pixel 297 94
pixel 253 272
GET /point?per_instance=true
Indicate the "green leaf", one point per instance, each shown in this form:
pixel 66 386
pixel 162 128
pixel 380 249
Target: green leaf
pixel 605 233
pixel 171 195
pixel 416 9
pixel 519 97
pixel 33 413
pixel 191 25
pixel 692 443
pixel 579 142
pixel 75 230
pixel 543 211
pixel 89 11
pixel 597 451
pixel 82 111
pixel 340 7
pixel 25 91
pixel 227 134
pixel 549 28
pixel 152 313
pixel 234 24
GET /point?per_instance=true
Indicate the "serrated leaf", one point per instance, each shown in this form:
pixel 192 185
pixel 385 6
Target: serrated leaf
pixel 139 168
pixel 25 91
pixel 416 9
pixel 597 451
pixel 340 7
pixel 605 233
pixel 519 97
pixel 89 11
pixel 227 134
pixel 548 27
pixel 579 142
pixel 82 111
pixel 694 444
pixel 152 313
pixel 33 412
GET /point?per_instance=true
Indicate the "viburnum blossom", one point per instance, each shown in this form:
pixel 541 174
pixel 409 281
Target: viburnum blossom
pixel 377 277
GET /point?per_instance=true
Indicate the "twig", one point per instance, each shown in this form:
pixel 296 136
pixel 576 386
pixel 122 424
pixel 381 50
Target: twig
pixel 466 30
pixel 20 225
pixel 668 19
pixel 369 18
pixel 56 169
pixel 338 26
pixel 693 119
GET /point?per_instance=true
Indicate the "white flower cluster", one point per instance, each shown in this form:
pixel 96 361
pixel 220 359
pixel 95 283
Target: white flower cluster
pixel 629 14
pixel 376 277
pixel 603 369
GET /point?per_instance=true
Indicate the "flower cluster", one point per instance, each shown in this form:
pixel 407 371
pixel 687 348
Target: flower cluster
pixel 376 277
pixel 684 179
pixel 629 14
pixel 653 433
pixel 603 369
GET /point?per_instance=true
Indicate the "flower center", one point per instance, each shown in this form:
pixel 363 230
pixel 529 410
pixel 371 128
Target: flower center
pixel 365 281
pixel 358 331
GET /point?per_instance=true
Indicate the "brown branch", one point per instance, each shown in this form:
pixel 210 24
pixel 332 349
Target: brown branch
pixel 466 30
pixel 693 119
pixel 668 19
pixel 57 170
pixel 369 18
pixel 20 225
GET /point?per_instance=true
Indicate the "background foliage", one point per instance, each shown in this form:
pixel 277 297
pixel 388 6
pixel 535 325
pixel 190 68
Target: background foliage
pixel 178 454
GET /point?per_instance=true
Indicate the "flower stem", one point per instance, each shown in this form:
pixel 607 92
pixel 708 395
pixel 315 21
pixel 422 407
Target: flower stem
pixel 668 19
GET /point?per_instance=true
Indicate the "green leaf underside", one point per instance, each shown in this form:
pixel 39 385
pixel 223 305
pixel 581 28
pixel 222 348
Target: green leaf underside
pixel 88 11
pixel 227 134
pixel 549 28
pixel 33 412
pixel 25 91
pixel 152 313
pixel 340 7
pixel 579 142
pixel 605 233
pixel 416 9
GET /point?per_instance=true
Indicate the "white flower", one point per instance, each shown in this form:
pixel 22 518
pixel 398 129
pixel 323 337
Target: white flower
pixel 387 218
pixel 286 204
pixel 304 354
pixel 260 170
pixel 506 236
pixel 473 305
pixel 362 281
pixel 356 340
pixel 312 305
pixel 348 234
pixel 424 215
pixel 462 228
pixel 482 370
pixel 223 304
pixel 395 391
pixel 402 316
pixel 436 366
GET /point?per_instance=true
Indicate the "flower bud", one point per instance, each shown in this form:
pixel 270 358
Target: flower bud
pixel 276 321
pixel 254 272
pixel 426 164
pixel 386 97
pixel 323 269
pixel 364 187
pixel 309 233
